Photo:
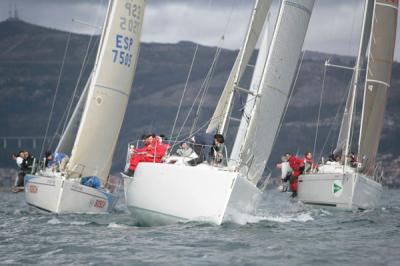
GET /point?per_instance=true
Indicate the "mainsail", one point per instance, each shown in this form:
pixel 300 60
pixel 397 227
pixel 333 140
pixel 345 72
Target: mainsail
pixel 274 90
pixel 220 119
pixel 67 139
pixel 348 116
pixel 378 76
pixel 109 90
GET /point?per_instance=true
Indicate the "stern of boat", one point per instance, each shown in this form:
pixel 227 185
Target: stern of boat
pixel 326 189
pixel 59 195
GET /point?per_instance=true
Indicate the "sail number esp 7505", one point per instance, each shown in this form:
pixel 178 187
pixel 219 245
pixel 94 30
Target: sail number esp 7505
pixel 122 51
pixel 129 23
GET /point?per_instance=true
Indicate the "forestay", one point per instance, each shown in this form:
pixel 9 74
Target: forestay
pixel 220 119
pixel 67 139
pixel 109 90
pixel 274 90
pixel 379 70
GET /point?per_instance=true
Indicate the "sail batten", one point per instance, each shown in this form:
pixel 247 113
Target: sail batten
pixel 109 90
pixel 378 76
pixel 274 89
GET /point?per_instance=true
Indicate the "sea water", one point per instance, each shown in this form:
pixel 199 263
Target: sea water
pixel 283 232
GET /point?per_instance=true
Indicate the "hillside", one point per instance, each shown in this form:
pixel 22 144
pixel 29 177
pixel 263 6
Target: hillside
pixel 31 57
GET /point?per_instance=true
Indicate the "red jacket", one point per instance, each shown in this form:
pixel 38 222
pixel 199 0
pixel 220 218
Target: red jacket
pixel 296 164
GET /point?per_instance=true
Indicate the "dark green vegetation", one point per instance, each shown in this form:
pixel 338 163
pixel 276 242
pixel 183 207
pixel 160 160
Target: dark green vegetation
pixel 30 63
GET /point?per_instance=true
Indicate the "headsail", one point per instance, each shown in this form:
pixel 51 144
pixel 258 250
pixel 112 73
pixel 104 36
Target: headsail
pixel 274 90
pixel 220 119
pixel 250 100
pixel 109 90
pixel 378 76
pixel 348 116
pixel 67 140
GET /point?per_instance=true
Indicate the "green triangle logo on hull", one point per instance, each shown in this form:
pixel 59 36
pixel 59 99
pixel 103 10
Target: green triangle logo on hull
pixel 337 188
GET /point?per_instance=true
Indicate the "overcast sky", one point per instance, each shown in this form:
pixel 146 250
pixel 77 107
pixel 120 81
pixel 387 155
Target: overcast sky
pixel 335 24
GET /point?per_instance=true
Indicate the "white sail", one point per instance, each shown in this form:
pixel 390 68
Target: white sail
pixel 250 100
pixel 109 90
pixel 348 116
pixel 274 90
pixel 67 139
pixel 378 76
pixel 220 119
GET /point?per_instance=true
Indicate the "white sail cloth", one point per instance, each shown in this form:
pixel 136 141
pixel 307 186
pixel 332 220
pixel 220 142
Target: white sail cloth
pixel 276 83
pixel 348 115
pixel 67 139
pixel 109 90
pixel 220 119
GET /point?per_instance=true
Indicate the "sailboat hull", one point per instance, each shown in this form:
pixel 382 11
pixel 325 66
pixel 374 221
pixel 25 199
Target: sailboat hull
pixel 346 191
pixel 57 195
pixel 167 193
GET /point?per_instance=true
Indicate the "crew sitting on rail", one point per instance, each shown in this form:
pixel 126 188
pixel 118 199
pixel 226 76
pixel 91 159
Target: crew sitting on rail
pixel 217 150
pixel 184 150
pixel 59 162
pixel 352 159
pixel 309 165
pixel 48 159
pixel 200 141
pixel 153 151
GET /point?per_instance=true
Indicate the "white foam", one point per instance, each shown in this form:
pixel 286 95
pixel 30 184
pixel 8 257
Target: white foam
pixel 115 225
pixel 79 223
pixel 242 218
pixel 54 221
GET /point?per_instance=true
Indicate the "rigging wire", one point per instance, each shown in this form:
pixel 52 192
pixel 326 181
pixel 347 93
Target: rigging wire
pixel 55 94
pixel 84 62
pixel 184 91
pixel 64 120
pixel 206 83
pixel 78 81
pixel 319 109
pixel 334 123
pixel 206 86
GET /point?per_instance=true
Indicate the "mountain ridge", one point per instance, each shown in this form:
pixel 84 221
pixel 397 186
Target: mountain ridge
pixel 30 67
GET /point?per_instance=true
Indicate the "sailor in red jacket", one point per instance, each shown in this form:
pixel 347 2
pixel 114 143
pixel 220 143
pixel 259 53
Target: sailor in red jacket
pixel 139 154
pixel 297 165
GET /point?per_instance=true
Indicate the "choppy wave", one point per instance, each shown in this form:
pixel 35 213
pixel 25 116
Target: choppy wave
pixel 242 218
pixel 282 232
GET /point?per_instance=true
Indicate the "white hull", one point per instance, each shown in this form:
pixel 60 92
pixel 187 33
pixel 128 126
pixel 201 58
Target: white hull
pixel 348 190
pixel 58 195
pixel 165 193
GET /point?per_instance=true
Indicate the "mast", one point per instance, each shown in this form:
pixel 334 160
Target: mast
pixel 109 90
pixel 365 34
pixel 273 92
pixel 378 77
pixel 220 119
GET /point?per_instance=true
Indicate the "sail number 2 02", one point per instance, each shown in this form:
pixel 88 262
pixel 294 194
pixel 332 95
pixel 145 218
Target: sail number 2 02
pixel 122 51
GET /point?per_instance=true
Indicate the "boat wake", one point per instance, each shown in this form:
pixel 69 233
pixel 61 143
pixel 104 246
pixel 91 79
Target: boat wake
pixel 243 218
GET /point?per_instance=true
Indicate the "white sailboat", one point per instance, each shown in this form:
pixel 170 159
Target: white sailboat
pixel 91 135
pixel 337 184
pixel 159 193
